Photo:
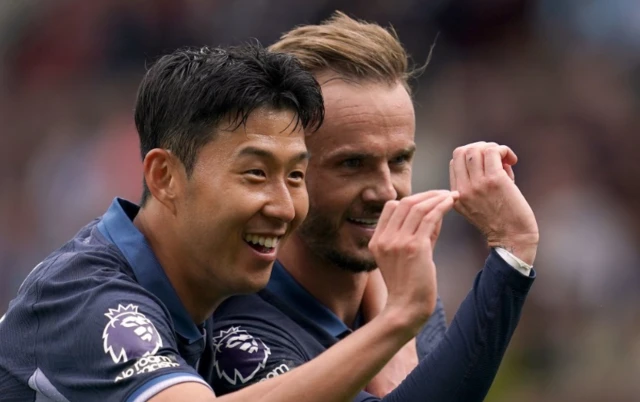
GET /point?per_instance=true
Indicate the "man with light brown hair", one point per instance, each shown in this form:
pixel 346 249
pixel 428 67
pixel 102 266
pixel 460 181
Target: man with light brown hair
pixel 326 284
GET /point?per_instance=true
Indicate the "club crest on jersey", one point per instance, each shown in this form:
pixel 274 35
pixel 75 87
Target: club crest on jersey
pixel 238 356
pixel 129 334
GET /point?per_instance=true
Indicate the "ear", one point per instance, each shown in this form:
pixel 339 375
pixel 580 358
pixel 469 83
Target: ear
pixel 164 175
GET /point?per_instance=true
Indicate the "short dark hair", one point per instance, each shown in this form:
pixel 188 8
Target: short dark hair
pixel 186 94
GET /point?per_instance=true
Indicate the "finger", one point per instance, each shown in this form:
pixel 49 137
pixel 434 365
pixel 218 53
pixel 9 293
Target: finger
pixel 479 144
pixel 436 233
pixel 383 221
pixel 460 169
pixel 508 156
pixel 452 176
pixel 419 211
pixel 475 164
pixel 430 221
pixel 493 164
pixel 404 206
pixel 419 197
pixel 509 171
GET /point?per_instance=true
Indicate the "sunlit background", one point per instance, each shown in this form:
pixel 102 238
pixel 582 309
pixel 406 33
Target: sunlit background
pixel 557 80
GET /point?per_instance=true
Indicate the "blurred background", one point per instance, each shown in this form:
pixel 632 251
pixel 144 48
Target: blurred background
pixel 557 80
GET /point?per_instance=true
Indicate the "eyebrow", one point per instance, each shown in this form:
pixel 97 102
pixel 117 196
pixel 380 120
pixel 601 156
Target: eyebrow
pixel 355 154
pixel 264 154
pixel 410 150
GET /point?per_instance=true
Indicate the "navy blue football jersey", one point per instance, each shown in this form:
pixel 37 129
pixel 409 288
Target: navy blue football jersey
pixel 98 320
pixel 294 327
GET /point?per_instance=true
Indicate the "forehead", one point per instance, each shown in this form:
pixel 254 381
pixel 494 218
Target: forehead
pixel 372 117
pixel 269 129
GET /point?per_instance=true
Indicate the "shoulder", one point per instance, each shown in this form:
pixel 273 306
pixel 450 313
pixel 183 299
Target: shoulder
pixel 253 341
pixel 260 313
pixel 84 274
pixel 82 308
pixel 86 258
pixel 253 306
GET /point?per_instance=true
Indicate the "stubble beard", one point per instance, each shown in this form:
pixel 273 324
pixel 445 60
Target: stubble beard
pixel 321 236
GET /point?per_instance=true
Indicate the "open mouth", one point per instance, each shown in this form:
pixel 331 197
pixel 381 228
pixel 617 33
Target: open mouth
pixel 262 244
pixel 369 223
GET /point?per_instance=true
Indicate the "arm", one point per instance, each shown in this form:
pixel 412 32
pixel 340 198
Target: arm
pixel 97 339
pixel 432 333
pixel 403 362
pixel 464 364
pixel 354 361
pixel 484 324
pixel 402 239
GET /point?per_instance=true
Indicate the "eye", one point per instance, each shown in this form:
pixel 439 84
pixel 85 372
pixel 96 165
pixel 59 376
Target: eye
pixel 400 160
pixel 298 175
pixel 352 163
pixel 256 172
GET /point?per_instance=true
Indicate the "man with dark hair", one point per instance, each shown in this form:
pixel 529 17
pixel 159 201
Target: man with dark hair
pixel 321 289
pixel 122 312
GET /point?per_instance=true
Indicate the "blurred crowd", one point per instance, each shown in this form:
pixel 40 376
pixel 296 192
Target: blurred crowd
pixel 557 80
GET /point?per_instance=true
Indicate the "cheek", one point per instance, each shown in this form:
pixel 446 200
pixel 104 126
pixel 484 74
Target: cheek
pixel 402 184
pixel 212 208
pixel 300 199
pixel 334 203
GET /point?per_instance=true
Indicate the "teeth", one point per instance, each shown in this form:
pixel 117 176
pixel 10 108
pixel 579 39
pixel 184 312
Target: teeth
pixel 366 221
pixel 266 241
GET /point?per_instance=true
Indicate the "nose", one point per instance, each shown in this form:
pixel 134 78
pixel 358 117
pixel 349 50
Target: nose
pixel 380 188
pixel 280 205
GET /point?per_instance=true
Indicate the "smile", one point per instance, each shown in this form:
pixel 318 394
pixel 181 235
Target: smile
pixel 262 243
pixel 370 222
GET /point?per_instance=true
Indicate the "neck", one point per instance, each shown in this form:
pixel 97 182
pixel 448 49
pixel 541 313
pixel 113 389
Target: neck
pixel 155 224
pixel 339 290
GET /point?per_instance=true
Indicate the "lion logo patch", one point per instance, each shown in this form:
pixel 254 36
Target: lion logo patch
pixel 129 335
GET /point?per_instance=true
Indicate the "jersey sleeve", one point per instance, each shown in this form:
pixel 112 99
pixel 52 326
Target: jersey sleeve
pixel 108 341
pixel 432 332
pixel 250 351
pixel 464 363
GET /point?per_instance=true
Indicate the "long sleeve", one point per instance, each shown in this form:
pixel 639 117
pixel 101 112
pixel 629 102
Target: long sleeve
pixel 463 365
pixel 432 332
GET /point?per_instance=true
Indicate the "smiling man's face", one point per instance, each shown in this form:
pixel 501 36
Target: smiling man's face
pixel 360 159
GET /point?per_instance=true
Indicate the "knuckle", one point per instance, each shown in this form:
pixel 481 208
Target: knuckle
pixel 465 196
pixel 385 247
pixel 420 209
pixel 504 148
pixel 408 202
pixel 492 181
pixel 458 151
pixel 475 146
pixel 477 188
pixel 411 247
pixel 390 206
pixel 428 220
pixel 490 151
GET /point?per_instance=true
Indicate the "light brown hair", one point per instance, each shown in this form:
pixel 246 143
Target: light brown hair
pixel 354 49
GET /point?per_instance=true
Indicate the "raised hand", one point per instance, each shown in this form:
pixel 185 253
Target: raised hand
pixel 490 200
pixel 403 248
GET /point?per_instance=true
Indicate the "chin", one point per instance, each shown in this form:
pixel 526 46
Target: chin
pixel 352 259
pixel 254 282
